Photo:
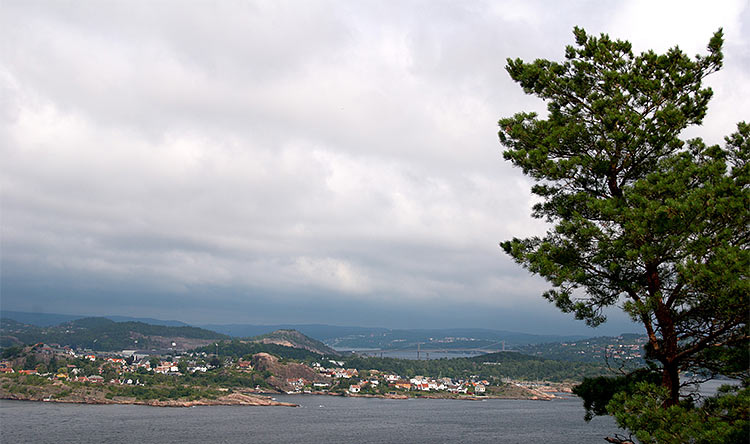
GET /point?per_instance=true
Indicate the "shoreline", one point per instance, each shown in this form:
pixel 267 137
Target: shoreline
pixel 243 399
pixel 533 395
pixel 233 399
pixel 436 396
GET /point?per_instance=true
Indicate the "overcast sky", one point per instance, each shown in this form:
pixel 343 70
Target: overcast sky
pixel 296 162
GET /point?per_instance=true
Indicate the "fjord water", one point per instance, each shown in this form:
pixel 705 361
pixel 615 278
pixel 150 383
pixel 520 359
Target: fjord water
pixel 319 419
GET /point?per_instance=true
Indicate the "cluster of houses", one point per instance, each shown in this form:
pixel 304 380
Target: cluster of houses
pixel 421 383
pixel 625 351
pixel 620 347
pixel 375 378
pixel 126 362
pixel 328 377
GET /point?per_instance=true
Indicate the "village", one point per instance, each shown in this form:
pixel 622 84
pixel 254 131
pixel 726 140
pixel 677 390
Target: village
pixel 373 379
pixel 128 368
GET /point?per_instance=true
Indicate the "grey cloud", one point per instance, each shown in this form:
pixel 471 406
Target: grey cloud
pixel 288 161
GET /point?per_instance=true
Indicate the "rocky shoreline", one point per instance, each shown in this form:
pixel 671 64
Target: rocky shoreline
pixel 235 399
pixel 59 391
pixel 243 399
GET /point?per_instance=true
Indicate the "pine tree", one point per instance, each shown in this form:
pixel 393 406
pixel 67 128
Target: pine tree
pixel 640 217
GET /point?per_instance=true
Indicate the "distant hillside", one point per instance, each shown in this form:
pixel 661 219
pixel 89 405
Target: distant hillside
pixel 441 339
pixel 294 339
pixel 320 332
pixel 52 319
pixel 106 335
pixel 494 366
pixel 626 349
pixel 236 349
pixel 38 319
pixel 353 338
pixel 286 344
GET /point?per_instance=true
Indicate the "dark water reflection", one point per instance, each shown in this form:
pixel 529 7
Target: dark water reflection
pixel 319 419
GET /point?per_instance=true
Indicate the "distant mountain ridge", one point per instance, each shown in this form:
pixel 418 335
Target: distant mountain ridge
pixel 52 319
pixel 337 337
pixel 321 332
pixel 106 335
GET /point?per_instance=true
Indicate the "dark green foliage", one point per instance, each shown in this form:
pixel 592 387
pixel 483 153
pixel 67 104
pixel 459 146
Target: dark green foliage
pixel 104 324
pixel 724 419
pixel 35 380
pixel 30 362
pixel 641 219
pixel 53 363
pixel 153 362
pixel 12 352
pixel 100 333
pixel 638 214
pixel 598 392
pixel 490 366
pixel 237 349
pixel 624 351
pixel 298 340
pixel 162 393
pixel 63 394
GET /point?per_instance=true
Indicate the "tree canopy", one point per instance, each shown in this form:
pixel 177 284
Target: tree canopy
pixel 640 218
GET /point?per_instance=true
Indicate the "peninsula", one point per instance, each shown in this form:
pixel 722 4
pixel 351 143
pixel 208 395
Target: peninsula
pixel 244 371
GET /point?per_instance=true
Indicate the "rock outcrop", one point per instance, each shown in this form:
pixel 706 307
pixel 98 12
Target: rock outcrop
pixel 282 373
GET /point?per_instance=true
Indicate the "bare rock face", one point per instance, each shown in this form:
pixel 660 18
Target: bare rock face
pixel 264 361
pixel 276 342
pixel 283 373
pixel 295 339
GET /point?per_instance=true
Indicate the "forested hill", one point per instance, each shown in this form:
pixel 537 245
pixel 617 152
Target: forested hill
pixel 294 339
pixel 287 344
pixel 624 350
pixel 238 349
pixel 491 366
pixel 106 335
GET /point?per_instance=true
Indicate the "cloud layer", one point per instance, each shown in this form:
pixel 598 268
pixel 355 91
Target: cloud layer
pixel 292 161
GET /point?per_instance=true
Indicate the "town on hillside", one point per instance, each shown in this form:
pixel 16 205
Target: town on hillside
pixel 53 372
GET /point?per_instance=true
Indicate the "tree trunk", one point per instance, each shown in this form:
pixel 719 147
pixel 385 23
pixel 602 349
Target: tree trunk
pixel 671 381
pixel 667 349
pixel 618 440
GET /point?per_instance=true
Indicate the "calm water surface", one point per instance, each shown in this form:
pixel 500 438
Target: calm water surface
pixel 326 419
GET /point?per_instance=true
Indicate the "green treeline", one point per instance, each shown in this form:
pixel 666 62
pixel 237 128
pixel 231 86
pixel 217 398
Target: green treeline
pixel 492 367
pixel 97 334
pixel 501 365
pixel 237 349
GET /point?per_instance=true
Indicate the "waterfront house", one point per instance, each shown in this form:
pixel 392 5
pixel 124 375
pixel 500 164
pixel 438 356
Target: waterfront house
pixel 401 384
pixel 424 386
